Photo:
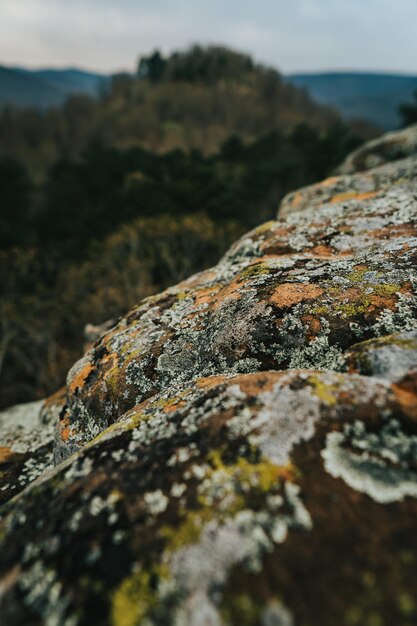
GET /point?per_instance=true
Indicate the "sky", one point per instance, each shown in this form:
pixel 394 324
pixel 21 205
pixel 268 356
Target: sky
pixel 292 35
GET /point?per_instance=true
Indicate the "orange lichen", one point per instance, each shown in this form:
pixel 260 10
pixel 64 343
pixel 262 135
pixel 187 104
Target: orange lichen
pixel 313 326
pixel 352 195
pixel 395 230
pixel 64 429
pixel 5 454
pixel 80 377
pixel 328 182
pixel 264 381
pixel 406 399
pixel 229 292
pixel 288 294
pixel 211 381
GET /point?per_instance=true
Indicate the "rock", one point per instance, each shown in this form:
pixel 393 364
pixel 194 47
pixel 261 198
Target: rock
pixel 93 331
pixel 223 501
pixel 26 442
pixel 242 448
pixel 293 293
pixel 361 187
pixel 392 357
pixel 390 147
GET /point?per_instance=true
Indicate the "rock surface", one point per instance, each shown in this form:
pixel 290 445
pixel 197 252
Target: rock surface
pixel 389 147
pixel 27 433
pixel 242 448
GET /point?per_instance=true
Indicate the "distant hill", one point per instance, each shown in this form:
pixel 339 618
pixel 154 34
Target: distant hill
pixel 191 100
pixel 373 97
pixel 46 88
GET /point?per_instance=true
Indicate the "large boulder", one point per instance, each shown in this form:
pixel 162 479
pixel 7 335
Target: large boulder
pixel 242 448
pixel 293 293
pixel 390 147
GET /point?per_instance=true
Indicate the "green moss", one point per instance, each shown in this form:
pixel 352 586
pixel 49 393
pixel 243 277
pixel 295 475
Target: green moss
pixel 240 608
pixel 406 604
pixel 263 228
pixel 189 531
pixel 260 269
pixel 322 309
pixel 135 597
pixel 334 305
pixel 388 340
pixel 182 295
pixel 357 276
pixel 326 392
pixel 168 403
pixel 112 379
pixel 352 309
pixel 241 480
pixel 135 354
pixel 263 475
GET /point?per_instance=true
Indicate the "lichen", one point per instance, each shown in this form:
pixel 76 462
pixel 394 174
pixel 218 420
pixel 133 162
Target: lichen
pixel 379 464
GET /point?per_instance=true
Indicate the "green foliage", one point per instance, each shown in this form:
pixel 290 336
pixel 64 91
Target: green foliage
pixel 206 65
pixel 152 67
pixel 50 299
pixel 408 112
pixel 87 198
pixel 15 192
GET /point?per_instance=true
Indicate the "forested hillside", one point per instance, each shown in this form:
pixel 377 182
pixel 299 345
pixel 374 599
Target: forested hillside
pixel 193 101
pixel 103 202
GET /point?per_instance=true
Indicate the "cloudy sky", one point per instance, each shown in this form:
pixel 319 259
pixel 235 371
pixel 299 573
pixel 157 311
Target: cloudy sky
pixel 293 35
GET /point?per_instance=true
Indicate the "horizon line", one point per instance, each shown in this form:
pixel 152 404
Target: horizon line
pixel 125 70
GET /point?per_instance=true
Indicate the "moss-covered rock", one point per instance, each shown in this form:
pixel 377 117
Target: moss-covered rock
pixel 297 292
pixel 351 187
pixel 235 498
pixel 390 147
pixel 242 448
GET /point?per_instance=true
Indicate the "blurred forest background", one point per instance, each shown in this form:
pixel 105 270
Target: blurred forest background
pixel 105 200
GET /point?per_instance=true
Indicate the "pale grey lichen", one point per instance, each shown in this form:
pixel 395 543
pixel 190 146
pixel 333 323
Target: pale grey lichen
pixel 25 430
pixel 22 429
pixel 391 357
pixel 199 571
pixel 156 501
pixel 287 417
pixel 45 592
pixel 375 463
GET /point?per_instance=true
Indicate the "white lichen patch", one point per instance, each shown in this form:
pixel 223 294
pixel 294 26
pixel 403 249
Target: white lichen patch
pixel 156 501
pixel 199 571
pixel 390 358
pixel 377 464
pixel 22 430
pixel 287 417
pixel 44 591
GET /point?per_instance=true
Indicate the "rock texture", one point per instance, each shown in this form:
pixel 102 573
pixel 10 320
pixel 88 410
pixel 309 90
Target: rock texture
pixel 27 434
pixel 390 147
pixel 242 448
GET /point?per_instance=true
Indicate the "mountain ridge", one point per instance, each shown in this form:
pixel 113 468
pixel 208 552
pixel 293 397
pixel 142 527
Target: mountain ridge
pixel 46 87
pixel 372 96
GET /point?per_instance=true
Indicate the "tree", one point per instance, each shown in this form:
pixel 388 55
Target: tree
pixel 152 67
pixel 15 196
pixel 408 112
